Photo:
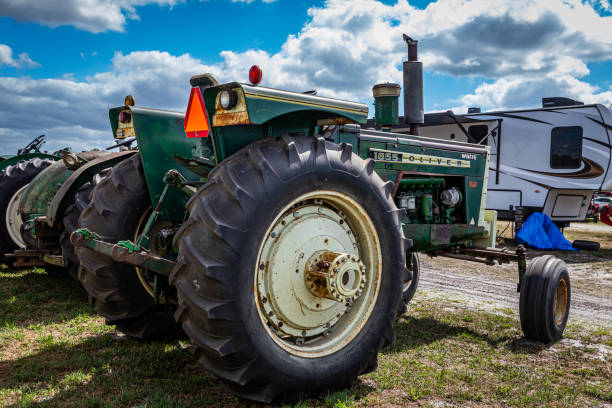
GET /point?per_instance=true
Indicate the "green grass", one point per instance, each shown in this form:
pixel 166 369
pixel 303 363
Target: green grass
pixel 56 352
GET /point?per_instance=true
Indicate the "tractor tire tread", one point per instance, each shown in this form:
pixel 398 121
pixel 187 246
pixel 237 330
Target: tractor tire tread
pixel 115 289
pixel 11 180
pixel 205 280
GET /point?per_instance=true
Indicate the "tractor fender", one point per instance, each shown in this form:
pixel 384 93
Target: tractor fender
pixel 65 195
pixel 10 160
pixel 42 188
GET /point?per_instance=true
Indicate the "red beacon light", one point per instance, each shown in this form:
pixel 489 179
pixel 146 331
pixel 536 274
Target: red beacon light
pixel 255 74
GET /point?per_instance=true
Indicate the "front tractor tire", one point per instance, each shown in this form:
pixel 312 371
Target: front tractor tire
pixel 409 287
pixel 545 299
pixel 13 181
pixel 118 203
pixel 290 268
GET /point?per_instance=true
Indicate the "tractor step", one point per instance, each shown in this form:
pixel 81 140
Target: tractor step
pixel 123 251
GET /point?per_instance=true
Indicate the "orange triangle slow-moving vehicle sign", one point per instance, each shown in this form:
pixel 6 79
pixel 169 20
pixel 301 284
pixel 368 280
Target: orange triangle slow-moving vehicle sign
pixel 196 119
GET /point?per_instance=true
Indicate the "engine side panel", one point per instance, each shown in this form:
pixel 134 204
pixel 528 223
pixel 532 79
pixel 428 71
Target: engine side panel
pixel 442 186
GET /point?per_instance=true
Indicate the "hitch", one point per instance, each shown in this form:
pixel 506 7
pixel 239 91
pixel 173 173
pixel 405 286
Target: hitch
pixel 123 251
pixel 488 256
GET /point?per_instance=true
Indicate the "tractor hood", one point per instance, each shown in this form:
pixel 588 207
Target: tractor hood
pixel 257 105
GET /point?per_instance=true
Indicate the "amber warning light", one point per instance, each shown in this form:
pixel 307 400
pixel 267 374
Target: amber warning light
pixel 196 120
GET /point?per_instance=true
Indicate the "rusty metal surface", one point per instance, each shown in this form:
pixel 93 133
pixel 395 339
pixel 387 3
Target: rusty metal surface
pixel 440 234
pixel 57 260
pixel 27 258
pixel 238 115
pixel 483 255
pixel 143 259
pixel 64 195
pixel 42 188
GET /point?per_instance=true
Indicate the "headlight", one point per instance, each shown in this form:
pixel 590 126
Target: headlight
pixel 227 99
pixel 70 160
pixel 125 117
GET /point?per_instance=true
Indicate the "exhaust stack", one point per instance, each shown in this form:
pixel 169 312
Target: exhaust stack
pixel 414 114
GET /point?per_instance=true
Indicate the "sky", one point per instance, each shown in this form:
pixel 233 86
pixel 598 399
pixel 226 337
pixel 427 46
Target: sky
pixel 65 63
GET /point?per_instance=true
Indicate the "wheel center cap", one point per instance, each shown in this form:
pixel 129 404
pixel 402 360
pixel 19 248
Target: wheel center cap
pixel 339 277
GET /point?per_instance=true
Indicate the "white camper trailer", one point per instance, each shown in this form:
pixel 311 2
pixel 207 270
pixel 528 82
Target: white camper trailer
pixel 551 159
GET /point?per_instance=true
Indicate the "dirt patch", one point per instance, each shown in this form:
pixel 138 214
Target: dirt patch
pixel 494 287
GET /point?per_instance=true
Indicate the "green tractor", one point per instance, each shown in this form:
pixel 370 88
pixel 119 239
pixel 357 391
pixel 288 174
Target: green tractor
pixel 42 200
pixel 30 151
pixel 280 235
pixel 16 171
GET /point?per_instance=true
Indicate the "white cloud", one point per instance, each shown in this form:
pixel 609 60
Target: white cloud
pixel 524 49
pixel 75 112
pixel 23 60
pixel 90 15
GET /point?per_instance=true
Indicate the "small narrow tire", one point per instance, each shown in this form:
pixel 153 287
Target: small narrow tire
pixel 545 299
pixel 586 245
pixel 117 204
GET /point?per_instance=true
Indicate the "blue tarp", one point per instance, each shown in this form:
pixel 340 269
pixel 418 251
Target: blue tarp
pixel 540 232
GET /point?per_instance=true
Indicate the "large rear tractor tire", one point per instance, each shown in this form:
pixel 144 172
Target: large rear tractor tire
pixel 117 205
pixel 13 181
pixel 290 268
pixel 71 220
pixel 545 299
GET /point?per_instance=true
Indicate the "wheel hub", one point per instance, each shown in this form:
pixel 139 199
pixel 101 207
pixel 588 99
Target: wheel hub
pixel 317 273
pixel 339 277
pixel 560 302
pixel 292 306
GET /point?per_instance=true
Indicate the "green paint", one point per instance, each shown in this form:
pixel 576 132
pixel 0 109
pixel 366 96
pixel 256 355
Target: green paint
pixel 421 182
pixel 130 246
pixel 87 234
pixel 65 195
pixel 40 191
pixel 12 160
pixel 386 108
pixel 426 208
pixel 161 138
pixel 424 169
pixel 386 97
pixel 265 104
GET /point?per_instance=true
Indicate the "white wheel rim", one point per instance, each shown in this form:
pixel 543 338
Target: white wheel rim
pixel 297 317
pixel 13 218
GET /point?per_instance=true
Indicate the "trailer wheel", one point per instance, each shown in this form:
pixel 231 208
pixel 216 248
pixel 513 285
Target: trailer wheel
pixel 117 204
pixel 545 299
pixel 586 245
pixel 13 181
pixel 289 268
pixel 71 220
pixel 409 287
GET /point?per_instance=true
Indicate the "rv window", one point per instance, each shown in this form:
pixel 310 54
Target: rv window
pixel 477 133
pixel 566 147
